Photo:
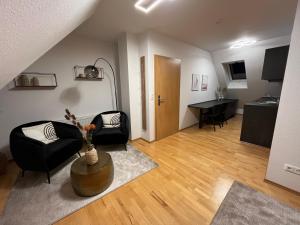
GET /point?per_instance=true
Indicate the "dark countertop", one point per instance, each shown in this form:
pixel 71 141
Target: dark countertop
pixel 262 102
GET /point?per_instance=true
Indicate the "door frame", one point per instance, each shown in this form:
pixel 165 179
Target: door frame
pixel 155 91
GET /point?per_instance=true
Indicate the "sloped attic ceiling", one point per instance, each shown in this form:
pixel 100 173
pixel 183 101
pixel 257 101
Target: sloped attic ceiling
pixel 30 28
pixel 207 24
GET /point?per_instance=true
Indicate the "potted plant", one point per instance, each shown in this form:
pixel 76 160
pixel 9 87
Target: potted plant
pixel 91 154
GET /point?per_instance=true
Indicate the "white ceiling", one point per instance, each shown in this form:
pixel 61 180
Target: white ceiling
pixel 30 28
pixel 208 24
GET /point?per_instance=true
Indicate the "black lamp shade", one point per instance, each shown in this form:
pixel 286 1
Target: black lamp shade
pixel 91 71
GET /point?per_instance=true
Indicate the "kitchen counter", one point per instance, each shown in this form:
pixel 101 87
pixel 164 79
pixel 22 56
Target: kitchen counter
pixel 265 101
pixel 259 121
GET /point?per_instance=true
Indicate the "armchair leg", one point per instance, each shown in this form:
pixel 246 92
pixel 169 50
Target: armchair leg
pixel 23 172
pixel 214 123
pixel 125 145
pixel 48 176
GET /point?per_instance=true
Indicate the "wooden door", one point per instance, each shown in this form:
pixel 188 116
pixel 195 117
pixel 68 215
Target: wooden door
pixel 167 93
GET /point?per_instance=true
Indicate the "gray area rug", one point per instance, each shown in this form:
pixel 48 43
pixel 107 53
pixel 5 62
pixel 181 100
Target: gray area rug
pixel 35 202
pixel 245 206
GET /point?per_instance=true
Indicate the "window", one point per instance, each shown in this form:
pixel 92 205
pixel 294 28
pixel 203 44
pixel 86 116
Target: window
pixel 235 74
pixel 237 70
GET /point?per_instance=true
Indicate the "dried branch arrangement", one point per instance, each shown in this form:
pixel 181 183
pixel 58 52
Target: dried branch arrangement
pixel 86 130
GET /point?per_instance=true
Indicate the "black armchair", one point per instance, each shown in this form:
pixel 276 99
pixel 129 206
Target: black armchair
pixel 31 154
pixel 109 136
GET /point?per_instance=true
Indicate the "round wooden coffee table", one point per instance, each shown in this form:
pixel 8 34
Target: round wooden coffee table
pixel 92 180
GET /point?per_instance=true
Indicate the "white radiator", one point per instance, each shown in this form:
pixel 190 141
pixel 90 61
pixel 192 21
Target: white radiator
pixel 83 120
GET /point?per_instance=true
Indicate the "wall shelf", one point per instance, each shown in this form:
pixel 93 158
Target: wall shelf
pixel 35 81
pixel 33 88
pixel 88 79
pixel 80 76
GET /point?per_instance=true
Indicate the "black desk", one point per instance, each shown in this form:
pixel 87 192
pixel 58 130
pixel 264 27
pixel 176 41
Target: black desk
pixel 230 110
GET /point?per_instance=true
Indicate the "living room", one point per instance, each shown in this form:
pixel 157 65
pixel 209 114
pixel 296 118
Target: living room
pixel 109 112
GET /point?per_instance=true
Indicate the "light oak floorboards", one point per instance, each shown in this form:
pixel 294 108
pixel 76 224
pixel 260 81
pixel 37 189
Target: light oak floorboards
pixel 6 182
pixel 196 170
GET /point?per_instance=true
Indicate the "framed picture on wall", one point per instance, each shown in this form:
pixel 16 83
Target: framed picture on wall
pixel 204 83
pixel 195 82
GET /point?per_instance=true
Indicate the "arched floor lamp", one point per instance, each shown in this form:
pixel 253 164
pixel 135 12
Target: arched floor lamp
pixel 92 71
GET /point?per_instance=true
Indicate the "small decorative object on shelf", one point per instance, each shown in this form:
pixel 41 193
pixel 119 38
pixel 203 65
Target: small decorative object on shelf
pixel 80 75
pixel 34 80
pixel 91 154
pixel 23 80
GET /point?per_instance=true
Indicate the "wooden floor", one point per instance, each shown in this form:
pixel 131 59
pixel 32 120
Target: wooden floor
pixel 6 183
pixel 196 170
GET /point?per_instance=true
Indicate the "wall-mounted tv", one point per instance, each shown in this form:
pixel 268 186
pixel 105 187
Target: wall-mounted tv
pixel 275 63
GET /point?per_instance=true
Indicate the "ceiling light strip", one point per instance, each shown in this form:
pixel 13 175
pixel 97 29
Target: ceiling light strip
pixel 139 6
pixel 243 43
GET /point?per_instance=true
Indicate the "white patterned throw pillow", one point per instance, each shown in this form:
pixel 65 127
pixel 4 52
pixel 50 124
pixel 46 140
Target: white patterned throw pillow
pixel 43 132
pixel 111 120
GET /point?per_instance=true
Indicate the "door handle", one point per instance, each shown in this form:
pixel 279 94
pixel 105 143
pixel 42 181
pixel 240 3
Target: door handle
pixel 160 100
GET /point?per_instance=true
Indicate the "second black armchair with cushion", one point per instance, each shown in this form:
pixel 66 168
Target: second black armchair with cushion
pixel 113 134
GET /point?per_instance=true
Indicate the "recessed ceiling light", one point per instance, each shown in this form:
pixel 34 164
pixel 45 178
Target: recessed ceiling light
pixel 243 43
pixel 147 5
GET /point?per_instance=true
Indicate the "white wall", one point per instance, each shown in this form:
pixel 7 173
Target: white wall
pixel 134 86
pixel 144 50
pixel 123 75
pixel 254 59
pixel 286 141
pixel 130 76
pixel 30 28
pixel 82 97
pixel 193 60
